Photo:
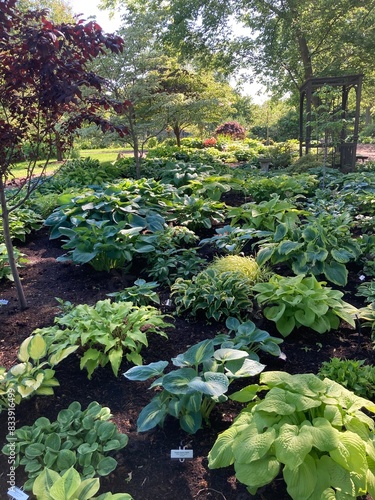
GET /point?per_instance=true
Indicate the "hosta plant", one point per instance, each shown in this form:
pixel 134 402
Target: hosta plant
pixel 142 293
pixel 50 485
pixel 352 374
pixel 171 264
pixel 321 246
pixel 295 301
pixel 215 294
pixel 312 431
pixel 246 266
pixel 368 315
pixel 200 380
pixel 229 239
pixel 367 290
pixel 83 439
pixel 33 375
pixel 5 271
pixel 107 331
pixel 266 214
pixel 246 336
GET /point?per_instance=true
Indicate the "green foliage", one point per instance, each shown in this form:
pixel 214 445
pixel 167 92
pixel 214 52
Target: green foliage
pixel 266 215
pixel 80 439
pixel 191 391
pixel 5 271
pixel 322 245
pixel 367 290
pixel 229 239
pixel 367 245
pixel 108 331
pixel 141 294
pixel 311 430
pixel 306 162
pixel 105 246
pixel 352 374
pixel 217 295
pixel 245 266
pixel 368 314
pixel 50 485
pixel 247 337
pixel 33 374
pixel 22 222
pixel 292 302
pixel 196 213
pixel 171 264
pixel 263 186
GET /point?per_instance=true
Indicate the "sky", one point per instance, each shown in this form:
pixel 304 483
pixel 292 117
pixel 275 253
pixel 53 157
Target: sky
pixel 89 8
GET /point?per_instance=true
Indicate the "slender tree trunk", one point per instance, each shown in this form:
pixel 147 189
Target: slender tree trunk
pixel 9 247
pixel 59 153
pixel 177 133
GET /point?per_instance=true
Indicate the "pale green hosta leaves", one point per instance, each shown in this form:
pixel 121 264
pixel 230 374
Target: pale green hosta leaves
pixel 258 473
pixel 301 480
pixel 292 445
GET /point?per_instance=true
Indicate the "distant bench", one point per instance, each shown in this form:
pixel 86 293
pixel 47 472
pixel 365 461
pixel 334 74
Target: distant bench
pixel 361 158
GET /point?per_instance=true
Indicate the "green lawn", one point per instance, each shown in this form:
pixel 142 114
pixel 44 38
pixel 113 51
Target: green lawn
pixel 103 155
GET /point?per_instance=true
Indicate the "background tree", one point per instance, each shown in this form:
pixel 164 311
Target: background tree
pixel 162 92
pixel 42 77
pixel 284 42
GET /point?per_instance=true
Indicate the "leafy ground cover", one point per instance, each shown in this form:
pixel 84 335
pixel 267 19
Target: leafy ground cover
pixel 144 467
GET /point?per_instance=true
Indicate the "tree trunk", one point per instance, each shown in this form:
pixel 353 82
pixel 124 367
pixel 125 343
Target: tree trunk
pixel 9 247
pixel 177 133
pixel 59 152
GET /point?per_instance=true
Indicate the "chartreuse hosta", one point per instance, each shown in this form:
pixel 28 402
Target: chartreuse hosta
pixel 312 431
pixel 50 485
pixel 191 391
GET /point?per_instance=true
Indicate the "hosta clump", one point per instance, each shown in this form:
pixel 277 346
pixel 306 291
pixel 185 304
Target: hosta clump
pixel 215 294
pixel 292 302
pixel 313 431
pixel 246 266
pixel 33 375
pixel 248 337
pixel 322 245
pixel 352 374
pixel 22 222
pixel 142 293
pixel 190 392
pixel 49 485
pixel 83 439
pixel 5 271
pixel 107 331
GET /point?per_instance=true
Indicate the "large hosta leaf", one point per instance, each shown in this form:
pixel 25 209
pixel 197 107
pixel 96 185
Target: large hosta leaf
pixel 292 445
pixel 213 384
pixel 301 481
pixel 258 473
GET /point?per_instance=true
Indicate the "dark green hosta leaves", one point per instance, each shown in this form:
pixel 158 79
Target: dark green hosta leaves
pixel 79 439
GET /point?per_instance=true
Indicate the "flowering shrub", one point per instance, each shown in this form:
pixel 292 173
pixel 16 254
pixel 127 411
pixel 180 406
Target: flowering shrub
pixel 211 142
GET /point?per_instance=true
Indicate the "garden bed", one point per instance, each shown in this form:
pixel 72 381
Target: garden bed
pixel 145 469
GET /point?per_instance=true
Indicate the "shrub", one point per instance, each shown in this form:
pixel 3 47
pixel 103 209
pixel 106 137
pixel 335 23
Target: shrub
pixel 211 142
pixel 231 129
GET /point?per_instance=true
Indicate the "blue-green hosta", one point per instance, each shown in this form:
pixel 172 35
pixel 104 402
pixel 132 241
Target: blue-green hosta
pixel 191 391
pixel 312 431
pixel 295 301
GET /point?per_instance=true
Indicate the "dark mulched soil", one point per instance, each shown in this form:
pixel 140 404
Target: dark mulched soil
pixel 145 469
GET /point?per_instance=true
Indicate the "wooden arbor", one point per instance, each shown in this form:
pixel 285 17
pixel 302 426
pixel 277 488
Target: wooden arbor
pixel 346 150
